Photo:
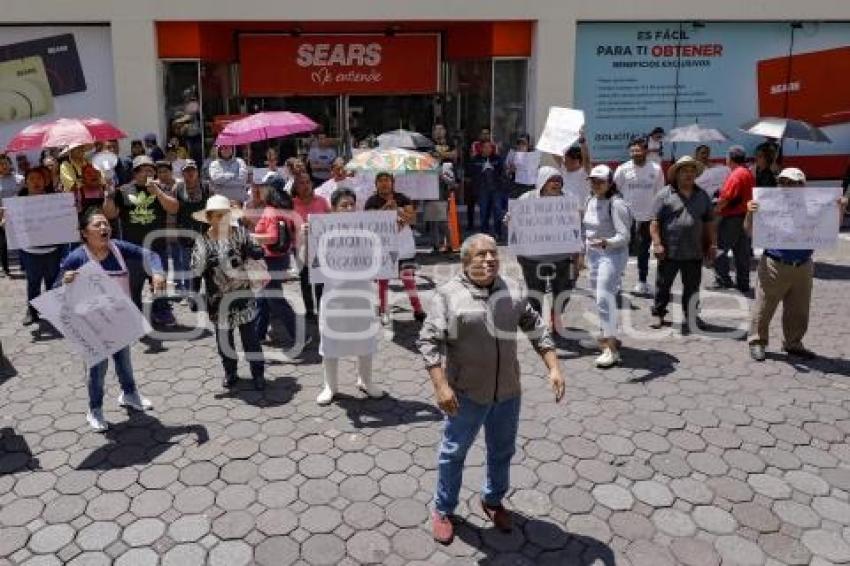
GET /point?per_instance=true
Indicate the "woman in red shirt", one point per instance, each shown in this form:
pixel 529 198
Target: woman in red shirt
pixel 277 215
pixel 307 203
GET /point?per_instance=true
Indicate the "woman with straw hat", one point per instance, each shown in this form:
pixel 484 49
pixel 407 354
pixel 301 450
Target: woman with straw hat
pixel 222 257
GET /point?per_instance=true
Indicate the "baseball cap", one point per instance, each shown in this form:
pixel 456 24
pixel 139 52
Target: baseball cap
pixel 163 164
pixel 792 174
pixel 601 171
pixel 150 138
pixel 141 161
pixel 189 164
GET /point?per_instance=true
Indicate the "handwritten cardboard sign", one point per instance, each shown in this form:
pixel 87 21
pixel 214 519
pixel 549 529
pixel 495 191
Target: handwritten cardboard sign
pixel 542 226
pixel 353 246
pixel 42 220
pixel 93 313
pixel 796 218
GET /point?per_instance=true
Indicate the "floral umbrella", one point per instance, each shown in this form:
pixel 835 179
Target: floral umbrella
pixel 64 132
pixel 396 161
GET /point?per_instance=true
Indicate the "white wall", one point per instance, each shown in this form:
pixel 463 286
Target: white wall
pixel 136 69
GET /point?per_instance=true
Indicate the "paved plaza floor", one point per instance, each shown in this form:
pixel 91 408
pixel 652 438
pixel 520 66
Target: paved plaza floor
pixel 689 453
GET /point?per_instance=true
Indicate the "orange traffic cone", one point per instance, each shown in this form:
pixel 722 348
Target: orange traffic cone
pixel 454 225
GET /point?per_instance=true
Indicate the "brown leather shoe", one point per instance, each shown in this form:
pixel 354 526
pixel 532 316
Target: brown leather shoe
pixel 500 516
pixel 442 529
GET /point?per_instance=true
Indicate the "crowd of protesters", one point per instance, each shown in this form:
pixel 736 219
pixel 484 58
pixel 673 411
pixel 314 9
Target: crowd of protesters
pixel 217 224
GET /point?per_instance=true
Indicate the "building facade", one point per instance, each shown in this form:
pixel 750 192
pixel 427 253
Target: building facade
pixel 363 67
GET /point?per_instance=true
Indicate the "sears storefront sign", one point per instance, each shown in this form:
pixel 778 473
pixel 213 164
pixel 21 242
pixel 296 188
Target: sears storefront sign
pixel 633 77
pixel 277 65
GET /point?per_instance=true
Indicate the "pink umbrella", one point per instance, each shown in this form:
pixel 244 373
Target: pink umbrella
pixel 64 132
pixel 263 126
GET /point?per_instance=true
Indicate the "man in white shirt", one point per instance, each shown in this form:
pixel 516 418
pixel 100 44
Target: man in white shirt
pixel 574 166
pixel 655 145
pixel 639 180
pixel 714 175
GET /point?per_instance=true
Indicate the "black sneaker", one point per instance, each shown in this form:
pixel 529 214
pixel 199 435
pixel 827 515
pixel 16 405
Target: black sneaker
pixel 259 383
pixel 30 318
pixel 420 316
pixel 801 352
pixel 757 352
pixel 229 381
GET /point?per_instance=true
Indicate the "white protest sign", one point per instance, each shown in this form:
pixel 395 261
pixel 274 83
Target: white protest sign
pixel 41 220
pixel 93 313
pixel 541 226
pixel 353 246
pixel 258 174
pixel 526 164
pixel 236 193
pixel 419 185
pixel 562 130
pixel 796 218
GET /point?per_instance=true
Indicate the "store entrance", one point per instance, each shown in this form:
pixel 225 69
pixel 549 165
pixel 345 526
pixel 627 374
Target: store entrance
pixel 369 116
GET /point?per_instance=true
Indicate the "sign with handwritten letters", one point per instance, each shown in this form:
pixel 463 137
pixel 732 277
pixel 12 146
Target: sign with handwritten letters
pixel 353 246
pixel 93 313
pixel 42 220
pixel 562 130
pixel 544 226
pixel 796 218
pixel 418 185
pixel 526 164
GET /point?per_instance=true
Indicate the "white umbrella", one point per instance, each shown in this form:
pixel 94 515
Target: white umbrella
pixel 694 133
pixel 404 139
pixel 785 128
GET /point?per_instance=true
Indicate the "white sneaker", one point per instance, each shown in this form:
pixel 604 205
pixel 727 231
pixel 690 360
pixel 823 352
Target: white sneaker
pixel 370 389
pixel 134 401
pixel 385 318
pixel 607 359
pixel 641 289
pixel 96 420
pixel 326 396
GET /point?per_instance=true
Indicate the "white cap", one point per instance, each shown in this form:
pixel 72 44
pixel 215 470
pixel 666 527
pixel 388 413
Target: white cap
pixel 792 174
pixel 601 171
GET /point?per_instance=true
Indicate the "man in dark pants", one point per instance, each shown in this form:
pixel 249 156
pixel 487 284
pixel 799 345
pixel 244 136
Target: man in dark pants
pixel 737 191
pixel 682 230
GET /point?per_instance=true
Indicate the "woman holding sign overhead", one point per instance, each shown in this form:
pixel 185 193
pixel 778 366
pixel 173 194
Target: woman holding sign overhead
pixel 347 326
pixel 113 256
pixel 41 264
pixel 784 276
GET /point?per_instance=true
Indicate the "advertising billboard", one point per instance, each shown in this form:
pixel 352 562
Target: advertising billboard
pixel 633 77
pixel 51 72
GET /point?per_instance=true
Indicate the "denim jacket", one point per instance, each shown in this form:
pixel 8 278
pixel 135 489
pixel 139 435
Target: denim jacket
pixel 475 329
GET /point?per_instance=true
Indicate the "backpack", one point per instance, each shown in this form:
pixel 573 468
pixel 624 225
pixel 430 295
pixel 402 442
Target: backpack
pixel 285 239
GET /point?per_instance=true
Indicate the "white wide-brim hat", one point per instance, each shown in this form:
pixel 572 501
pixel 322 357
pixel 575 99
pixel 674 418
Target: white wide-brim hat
pixel 216 203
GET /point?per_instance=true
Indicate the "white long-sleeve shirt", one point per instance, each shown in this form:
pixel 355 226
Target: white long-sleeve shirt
pixel 229 177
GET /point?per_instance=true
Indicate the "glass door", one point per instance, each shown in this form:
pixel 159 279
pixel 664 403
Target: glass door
pixel 370 116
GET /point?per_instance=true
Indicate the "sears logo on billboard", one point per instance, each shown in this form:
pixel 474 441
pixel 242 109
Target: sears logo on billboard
pixel 339 54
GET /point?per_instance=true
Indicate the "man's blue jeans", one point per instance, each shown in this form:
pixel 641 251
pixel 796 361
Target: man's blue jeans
pixel 124 370
pixel 500 421
pixel 490 208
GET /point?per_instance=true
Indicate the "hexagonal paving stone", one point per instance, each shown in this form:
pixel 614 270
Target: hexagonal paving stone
pixel 407 513
pixel 413 544
pixel 832 509
pixel 21 511
pixel 231 553
pixel 756 517
pixel 369 547
pixel 653 493
pixel 363 515
pixel 98 535
pixel 714 520
pixel 186 554
pixel 737 550
pixel 277 551
pixel 695 552
pixel 613 497
pixel 692 491
pixel 674 522
pixel 785 549
pixel 189 528
pixel 323 549
pixel 320 519
pixel 51 538
pixel 138 557
pixel 769 486
pixel 107 506
pixel 827 544
pixel 233 525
